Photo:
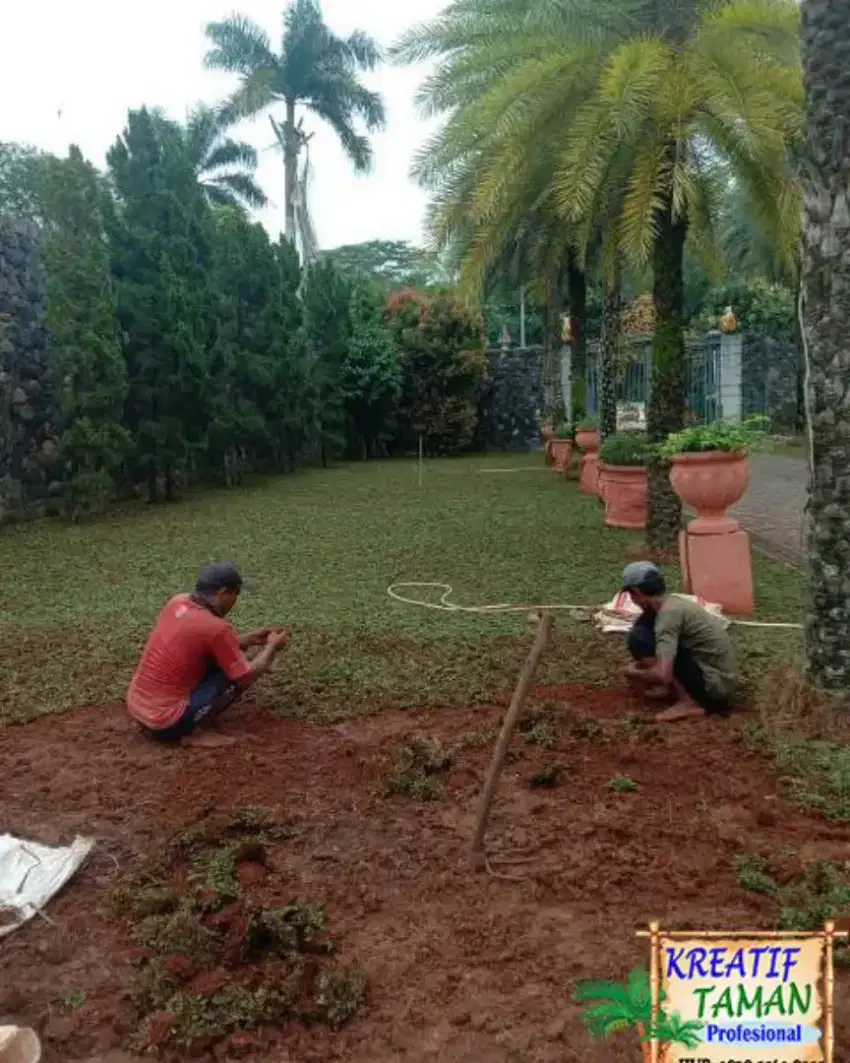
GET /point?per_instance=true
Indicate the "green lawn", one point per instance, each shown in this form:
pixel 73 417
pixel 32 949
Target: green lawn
pixel 322 548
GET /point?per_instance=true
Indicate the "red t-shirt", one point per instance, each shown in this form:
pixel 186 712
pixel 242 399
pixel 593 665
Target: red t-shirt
pixel 187 639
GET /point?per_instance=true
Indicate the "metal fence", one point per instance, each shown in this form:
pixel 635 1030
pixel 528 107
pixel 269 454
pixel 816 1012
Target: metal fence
pixel 726 377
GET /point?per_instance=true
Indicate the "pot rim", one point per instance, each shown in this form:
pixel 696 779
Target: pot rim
pixel 704 457
pixel 622 468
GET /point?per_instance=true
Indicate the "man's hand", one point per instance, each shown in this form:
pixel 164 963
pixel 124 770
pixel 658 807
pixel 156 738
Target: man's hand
pixel 279 638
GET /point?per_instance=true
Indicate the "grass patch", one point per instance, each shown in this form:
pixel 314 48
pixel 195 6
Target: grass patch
pixel 817 892
pixel 808 735
pixel 216 960
pixel 322 547
pixel 622 784
pixel 419 766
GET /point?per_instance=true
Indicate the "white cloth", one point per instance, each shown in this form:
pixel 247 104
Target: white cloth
pixel 31 873
pixel 621 612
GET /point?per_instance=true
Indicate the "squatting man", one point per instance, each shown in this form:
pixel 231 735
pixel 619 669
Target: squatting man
pixel 679 650
pixel 194 665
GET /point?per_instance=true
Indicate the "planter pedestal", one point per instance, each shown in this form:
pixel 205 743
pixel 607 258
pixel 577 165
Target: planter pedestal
pixel 719 568
pixel 714 551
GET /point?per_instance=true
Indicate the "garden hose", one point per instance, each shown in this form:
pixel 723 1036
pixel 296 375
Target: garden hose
pixel 443 605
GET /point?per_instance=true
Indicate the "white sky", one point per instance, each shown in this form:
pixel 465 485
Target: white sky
pixel 95 59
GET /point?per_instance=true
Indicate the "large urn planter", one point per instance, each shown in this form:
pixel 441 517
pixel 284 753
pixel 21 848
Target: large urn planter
pixel 714 551
pixel 625 492
pixel 587 440
pixel 562 453
pixel 710 483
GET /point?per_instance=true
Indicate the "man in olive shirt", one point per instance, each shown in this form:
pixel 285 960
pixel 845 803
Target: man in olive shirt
pixel 679 649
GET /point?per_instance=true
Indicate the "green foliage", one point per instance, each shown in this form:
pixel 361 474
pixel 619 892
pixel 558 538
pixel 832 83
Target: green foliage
pixel 418 769
pixel 587 423
pixel 391 264
pixel 622 784
pixel 160 239
pixel 369 375
pixel 87 362
pixel 20 179
pixel 440 345
pixel 625 448
pixel 731 437
pixel 761 307
pixel 327 319
pixel 565 431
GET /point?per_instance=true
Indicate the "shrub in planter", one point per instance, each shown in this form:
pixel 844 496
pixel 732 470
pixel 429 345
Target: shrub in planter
pixel 624 489
pixel 709 469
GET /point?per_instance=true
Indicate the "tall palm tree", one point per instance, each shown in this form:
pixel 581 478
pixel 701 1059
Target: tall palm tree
pixel 826 284
pixel 617 115
pixel 314 69
pixel 225 167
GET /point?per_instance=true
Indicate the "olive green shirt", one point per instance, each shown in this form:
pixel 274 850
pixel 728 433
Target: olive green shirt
pixel 682 623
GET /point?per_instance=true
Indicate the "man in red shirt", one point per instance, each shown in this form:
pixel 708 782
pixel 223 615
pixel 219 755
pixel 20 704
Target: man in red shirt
pixel 193 665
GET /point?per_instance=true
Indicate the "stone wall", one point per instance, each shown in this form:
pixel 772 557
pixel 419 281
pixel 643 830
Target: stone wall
pixel 28 413
pixel 511 406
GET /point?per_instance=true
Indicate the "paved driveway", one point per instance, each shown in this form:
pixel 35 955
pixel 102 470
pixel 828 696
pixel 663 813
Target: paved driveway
pixel 772 508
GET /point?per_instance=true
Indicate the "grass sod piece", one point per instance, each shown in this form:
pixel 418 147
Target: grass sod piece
pixel 478 857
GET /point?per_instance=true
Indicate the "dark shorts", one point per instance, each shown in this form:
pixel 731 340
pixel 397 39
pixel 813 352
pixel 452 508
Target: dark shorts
pixel 214 693
pixel 641 643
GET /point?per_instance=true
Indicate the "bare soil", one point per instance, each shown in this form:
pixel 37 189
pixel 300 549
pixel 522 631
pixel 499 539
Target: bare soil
pixel 461 966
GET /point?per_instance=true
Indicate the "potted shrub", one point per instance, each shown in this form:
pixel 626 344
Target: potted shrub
pixel 623 483
pixel 587 440
pixel 561 446
pixel 710 471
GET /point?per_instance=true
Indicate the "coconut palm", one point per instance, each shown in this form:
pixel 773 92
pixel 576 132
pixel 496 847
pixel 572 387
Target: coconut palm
pixel 826 281
pixel 618 117
pixel 315 70
pixel 225 167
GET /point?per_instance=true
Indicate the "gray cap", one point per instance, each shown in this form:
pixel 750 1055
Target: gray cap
pixel 642 575
pixel 219 576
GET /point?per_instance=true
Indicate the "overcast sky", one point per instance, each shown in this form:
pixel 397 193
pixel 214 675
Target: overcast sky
pixel 71 70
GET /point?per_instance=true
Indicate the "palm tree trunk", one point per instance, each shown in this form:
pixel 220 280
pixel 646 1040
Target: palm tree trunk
pixel 667 390
pixel 826 286
pixel 552 352
pixel 287 138
pixel 608 348
pixel 577 294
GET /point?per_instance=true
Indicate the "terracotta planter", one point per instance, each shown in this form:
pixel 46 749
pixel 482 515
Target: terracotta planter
pixel 562 453
pixel 587 440
pixel 709 483
pixel 625 492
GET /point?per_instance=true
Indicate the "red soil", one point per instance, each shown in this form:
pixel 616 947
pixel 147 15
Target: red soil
pixel 462 967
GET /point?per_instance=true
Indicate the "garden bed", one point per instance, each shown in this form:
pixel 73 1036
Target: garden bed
pixel 637 822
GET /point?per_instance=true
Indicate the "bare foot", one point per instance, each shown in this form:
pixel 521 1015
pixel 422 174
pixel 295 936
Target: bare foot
pixel 208 740
pixel 659 693
pixel 682 710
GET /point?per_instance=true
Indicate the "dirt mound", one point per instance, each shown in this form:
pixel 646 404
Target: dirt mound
pixel 255 841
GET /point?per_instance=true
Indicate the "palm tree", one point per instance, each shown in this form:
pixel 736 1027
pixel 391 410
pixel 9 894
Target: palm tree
pixel 617 116
pixel 826 283
pixel 613 1007
pixel 224 167
pixel 315 69
pixel 685 88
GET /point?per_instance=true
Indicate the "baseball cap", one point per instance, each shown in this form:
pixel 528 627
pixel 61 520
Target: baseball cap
pixel 219 575
pixel 643 576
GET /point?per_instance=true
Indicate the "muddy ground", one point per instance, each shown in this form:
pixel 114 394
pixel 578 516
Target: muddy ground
pixel 461 966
